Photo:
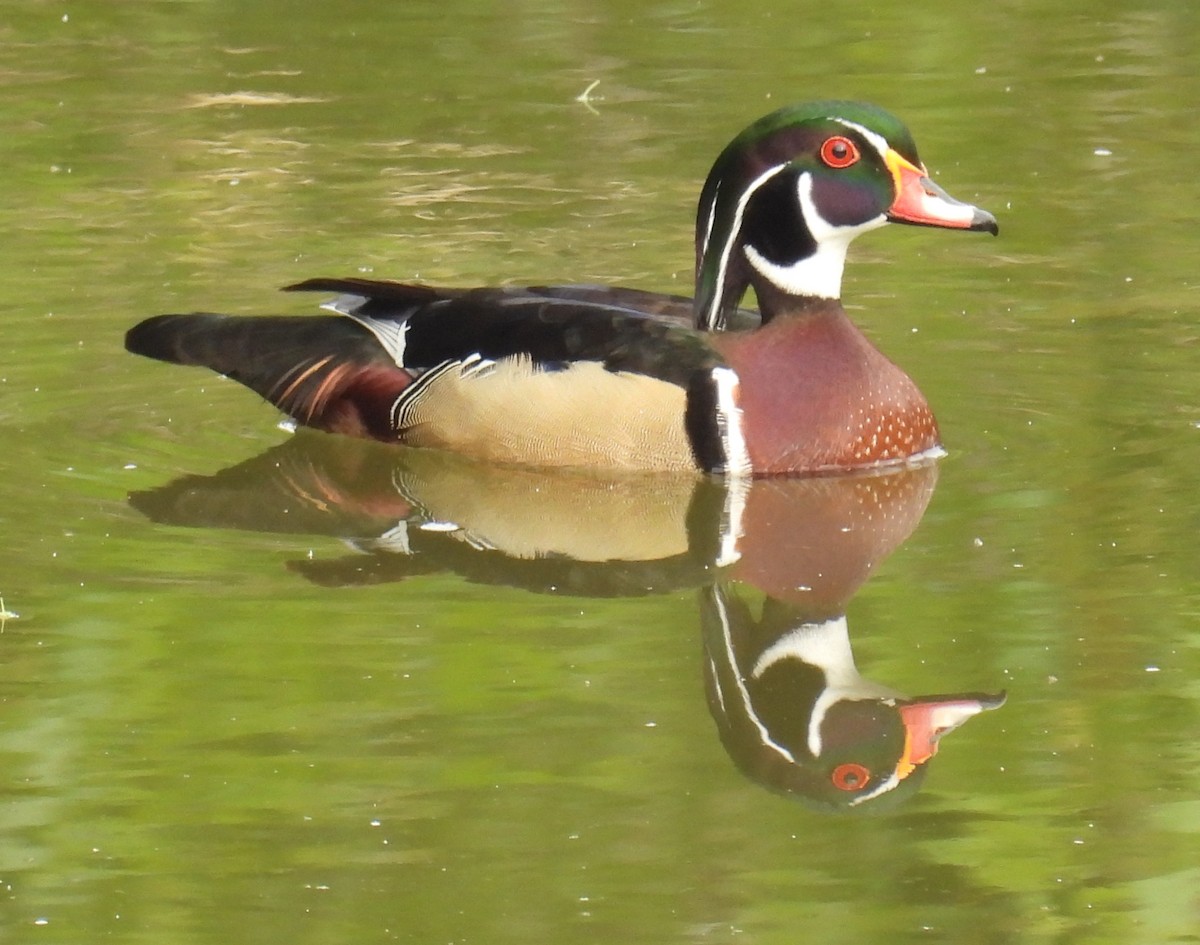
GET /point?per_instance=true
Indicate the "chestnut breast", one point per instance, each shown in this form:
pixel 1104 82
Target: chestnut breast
pixel 816 395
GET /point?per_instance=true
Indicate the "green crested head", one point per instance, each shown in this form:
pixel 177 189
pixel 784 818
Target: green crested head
pixel 767 130
pixel 786 197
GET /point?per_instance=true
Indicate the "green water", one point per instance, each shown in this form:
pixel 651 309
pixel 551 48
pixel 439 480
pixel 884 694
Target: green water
pixel 258 721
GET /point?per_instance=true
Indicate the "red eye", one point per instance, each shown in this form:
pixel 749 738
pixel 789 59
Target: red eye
pixel 839 152
pixel 850 777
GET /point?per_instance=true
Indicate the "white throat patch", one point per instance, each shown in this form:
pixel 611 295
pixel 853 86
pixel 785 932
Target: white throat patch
pixel 818 275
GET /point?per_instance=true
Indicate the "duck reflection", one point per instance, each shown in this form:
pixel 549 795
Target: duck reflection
pixel 791 708
pixel 796 716
pixel 790 705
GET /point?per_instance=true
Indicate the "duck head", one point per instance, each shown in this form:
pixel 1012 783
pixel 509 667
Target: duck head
pixel 787 196
pixel 796 716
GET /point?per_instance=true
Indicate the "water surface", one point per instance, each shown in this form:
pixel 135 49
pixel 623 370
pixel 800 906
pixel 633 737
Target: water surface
pixel 263 720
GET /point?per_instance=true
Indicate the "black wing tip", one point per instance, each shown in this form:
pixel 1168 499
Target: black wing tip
pixel 318 284
pixel 148 336
pixel 370 288
pixel 159 336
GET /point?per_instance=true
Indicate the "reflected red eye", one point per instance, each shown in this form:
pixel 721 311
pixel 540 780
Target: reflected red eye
pixel 839 152
pixel 850 777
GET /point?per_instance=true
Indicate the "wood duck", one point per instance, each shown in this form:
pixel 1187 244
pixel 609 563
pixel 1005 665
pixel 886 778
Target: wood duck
pixel 617 378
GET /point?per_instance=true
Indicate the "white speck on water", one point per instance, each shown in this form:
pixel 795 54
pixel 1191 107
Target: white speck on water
pixel 1153 669
pixel 1102 152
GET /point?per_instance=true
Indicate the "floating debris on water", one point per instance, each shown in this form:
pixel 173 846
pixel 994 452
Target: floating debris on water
pixel 5 614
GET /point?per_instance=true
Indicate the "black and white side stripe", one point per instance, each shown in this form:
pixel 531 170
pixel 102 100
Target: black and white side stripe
pixel 714 424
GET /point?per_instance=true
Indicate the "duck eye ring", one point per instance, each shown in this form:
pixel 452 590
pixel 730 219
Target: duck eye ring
pixel 839 151
pixel 850 777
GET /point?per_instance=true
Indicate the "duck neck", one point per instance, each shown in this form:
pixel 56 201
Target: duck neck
pixel 817 275
pixel 774 301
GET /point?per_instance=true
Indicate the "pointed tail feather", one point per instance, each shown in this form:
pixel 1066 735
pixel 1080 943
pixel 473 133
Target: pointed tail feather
pixel 325 372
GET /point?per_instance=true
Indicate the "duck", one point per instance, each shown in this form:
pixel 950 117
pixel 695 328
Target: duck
pixel 625 379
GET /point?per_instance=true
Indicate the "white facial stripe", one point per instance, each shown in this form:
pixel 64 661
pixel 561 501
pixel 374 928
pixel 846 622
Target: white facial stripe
pixel 818 275
pixel 887 784
pixel 709 318
pixel 729 423
pixel 712 218
pixel 730 660
pixel 878 141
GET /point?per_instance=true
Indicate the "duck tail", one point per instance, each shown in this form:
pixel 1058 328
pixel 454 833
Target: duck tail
pixel 325 372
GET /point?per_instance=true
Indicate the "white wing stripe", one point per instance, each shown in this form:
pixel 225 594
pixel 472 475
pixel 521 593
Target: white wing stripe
pixel 391 335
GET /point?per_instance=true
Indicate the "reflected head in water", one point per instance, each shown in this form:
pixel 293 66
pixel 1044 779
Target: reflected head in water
pixel 795 715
